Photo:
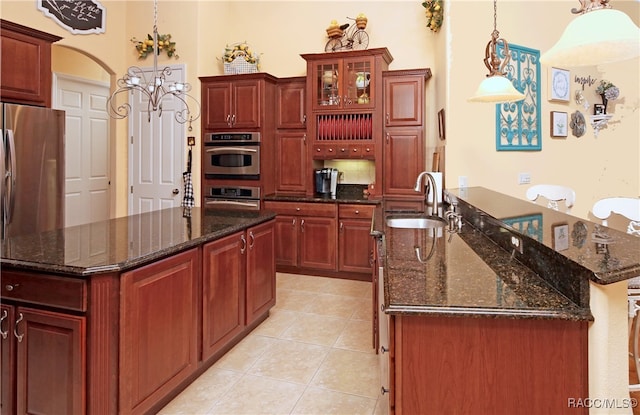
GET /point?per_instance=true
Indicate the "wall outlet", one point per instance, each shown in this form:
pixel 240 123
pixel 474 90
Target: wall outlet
pixel 462 182
pixel 524 178
pixel 516 243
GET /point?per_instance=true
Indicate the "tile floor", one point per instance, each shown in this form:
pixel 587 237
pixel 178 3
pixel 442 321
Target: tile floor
pixel 313 355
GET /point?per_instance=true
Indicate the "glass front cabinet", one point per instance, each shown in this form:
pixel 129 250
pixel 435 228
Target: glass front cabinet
pixel 344 83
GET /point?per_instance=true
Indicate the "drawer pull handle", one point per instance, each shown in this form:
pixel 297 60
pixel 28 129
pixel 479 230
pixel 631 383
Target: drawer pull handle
pixel 10 287
pixel 252 238
pixel 302 225
pixel 383 390
pixel 244 244
pixel 293 222
pixel 3 333
pixel 15 330
pixel 383 349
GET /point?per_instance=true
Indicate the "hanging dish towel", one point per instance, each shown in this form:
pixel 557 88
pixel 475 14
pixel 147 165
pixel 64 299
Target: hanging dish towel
pixel 188 200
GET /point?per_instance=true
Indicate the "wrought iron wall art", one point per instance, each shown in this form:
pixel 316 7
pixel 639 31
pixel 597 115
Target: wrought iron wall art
pixel 518 124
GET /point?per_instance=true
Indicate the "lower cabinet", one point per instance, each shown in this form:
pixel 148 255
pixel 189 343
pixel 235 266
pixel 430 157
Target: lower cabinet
pixel 306 234
pixel 355 245
pixel 261 271
pixel 43 353
pixel 158 330
pixel 437 365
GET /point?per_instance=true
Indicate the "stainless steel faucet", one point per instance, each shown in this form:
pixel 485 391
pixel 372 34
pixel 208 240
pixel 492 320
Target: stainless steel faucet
pixel 434 187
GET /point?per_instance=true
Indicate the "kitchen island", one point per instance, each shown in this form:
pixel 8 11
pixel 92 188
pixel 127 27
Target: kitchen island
pixel 476 321
pixel 118 316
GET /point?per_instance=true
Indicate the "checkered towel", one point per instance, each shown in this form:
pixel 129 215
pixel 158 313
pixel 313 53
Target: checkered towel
pixel 188 200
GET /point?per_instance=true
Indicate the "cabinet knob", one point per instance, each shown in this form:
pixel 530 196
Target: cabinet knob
pixel 330 150
pixel 318 149
pixel 10 287
pixel 355 150
pixel 343 150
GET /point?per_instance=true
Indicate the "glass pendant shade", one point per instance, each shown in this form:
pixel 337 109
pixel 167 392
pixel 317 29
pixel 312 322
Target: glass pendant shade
pixel 496 89
pixel 596 37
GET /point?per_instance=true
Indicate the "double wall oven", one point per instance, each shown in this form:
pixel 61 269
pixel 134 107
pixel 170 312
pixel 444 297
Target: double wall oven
pixel 232 157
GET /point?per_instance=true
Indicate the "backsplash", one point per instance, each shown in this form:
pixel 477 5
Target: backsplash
pixel 354 171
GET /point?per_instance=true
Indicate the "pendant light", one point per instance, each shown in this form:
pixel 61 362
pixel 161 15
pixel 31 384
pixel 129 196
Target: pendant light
pixel 496 87
pixel 154 89
pixel 599 35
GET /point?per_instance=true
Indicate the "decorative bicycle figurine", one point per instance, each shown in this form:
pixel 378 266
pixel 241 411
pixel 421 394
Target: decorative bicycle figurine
pixel 347 36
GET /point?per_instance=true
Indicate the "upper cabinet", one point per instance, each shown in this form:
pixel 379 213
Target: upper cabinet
pixel 291 111
pixel 26 64
pixel 235 101
pixel 346 80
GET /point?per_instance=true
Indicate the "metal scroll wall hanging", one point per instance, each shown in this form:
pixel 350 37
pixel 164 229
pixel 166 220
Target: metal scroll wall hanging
pixel 518 125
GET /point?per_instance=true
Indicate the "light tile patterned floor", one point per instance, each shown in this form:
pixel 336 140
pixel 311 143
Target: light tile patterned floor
pixel 312 356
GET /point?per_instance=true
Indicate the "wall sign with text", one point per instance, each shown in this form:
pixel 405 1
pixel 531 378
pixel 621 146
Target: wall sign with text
pixel 77 16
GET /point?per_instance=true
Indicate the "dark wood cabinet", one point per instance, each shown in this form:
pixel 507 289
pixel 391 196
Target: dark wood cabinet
pixel 291 106
pixel 158 332
pixel 306 235
pixel 481 358
pixel 344 96
pixel 355 246
pixel 404 131
pixel 223 288
pixel 26 64
pixel 261 271
pixel 291 168
pixel 291 136
pixel 43 355
pixel 232 104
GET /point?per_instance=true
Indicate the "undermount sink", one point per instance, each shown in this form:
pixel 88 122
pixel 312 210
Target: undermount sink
pixel 415 222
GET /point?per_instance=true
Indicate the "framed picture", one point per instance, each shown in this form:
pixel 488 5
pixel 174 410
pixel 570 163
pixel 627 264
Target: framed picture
pixel 559 124
pixel 560 236
pixel 598 109
pixel 559 85
pixel 441 132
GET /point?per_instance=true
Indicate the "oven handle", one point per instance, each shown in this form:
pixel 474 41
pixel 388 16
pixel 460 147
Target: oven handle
pixel 232 202
pixel 234 149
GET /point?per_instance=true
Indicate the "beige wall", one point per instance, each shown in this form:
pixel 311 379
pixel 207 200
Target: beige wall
pixel 281 31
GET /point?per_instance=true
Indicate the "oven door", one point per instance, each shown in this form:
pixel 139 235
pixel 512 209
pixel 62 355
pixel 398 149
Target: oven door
pixel 232 161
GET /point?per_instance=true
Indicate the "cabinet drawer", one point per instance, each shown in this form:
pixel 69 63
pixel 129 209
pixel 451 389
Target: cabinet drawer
pixel 356 211
pixel 302 208
pixel 49 290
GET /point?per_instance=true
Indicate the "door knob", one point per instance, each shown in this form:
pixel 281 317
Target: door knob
pixel 175 191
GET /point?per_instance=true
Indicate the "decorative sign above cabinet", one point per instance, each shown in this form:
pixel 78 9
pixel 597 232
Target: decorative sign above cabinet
pixel 77 16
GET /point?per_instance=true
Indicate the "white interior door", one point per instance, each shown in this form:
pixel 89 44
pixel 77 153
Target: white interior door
pixel 87 148
pixel 156 160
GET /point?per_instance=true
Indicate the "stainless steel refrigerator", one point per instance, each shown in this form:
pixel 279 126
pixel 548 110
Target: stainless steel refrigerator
pixel 32 168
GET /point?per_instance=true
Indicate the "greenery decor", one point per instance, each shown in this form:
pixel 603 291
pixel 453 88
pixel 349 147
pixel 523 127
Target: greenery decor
pixel 433 13
pixel 145 47
pixel 240 50
pixel 607 90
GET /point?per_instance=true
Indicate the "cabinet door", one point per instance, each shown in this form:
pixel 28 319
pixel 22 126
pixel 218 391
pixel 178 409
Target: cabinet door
pixel 216 97
pixel 26 69
pixel 403 97
pixel 403 160
pixel 343 83
pixel 291 168
pixel 158 329
pixel 261 270
pixel 318 243
pixel 7 349
pixel 223 288
pixel 290 104
pixel 246 104
pixel 355 245
pixel 286 240
pixel 50 359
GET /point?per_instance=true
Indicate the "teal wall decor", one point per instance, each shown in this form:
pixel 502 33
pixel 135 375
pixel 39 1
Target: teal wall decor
pixel 518 124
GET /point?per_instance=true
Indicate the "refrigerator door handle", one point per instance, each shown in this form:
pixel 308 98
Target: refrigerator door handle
pixel 10 177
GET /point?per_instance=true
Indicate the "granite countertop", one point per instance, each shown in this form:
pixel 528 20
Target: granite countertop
pixel 466 275
pixel 347 193
pixel 476 273
pixel 124 243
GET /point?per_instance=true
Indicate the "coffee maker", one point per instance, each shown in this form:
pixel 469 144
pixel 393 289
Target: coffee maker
pixel 326 180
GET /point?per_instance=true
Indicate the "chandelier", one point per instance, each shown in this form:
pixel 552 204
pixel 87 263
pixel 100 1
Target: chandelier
pixel 496 87
pixel 154 87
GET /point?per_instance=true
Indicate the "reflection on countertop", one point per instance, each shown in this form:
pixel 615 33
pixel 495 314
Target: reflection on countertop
pixel 345 193
pixel 123 243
